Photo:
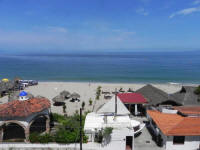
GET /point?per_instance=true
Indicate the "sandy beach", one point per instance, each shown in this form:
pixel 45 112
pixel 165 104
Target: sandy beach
pixel 86 91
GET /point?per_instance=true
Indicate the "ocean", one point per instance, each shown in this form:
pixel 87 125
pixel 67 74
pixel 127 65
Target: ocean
pixel 127 67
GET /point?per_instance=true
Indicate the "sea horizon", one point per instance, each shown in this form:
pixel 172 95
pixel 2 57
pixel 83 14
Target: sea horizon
pixel 105 67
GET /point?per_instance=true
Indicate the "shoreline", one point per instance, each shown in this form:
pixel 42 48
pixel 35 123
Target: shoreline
pixel 142 83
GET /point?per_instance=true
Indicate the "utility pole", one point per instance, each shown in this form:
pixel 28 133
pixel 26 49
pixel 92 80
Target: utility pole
pixel 115 102
pixel 81 129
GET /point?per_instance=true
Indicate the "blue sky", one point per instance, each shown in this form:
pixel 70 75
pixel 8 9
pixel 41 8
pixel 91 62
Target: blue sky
pixel 97 25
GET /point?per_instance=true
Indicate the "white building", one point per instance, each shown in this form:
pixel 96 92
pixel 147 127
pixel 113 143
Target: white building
pixel 113 114
pixel 177 129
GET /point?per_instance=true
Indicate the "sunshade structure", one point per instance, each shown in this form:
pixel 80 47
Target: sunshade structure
pixel 65 94
pixel 58 99
pixel 5 87
pixel 75 96
pixel 5 80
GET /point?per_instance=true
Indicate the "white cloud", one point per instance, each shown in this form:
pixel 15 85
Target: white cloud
pixel 120 31
pixel 196 2
pixel 42 39
pixel 57 29
pixel 142 11
pixel 186 11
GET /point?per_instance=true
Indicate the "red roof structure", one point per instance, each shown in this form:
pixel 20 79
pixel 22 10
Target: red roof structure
pixel 132 98
pixel 174 124
pixel 25 108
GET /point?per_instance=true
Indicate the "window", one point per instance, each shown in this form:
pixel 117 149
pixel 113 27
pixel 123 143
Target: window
pixel 178 140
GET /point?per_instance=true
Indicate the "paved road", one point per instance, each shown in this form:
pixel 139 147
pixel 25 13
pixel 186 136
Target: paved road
pixel 144 140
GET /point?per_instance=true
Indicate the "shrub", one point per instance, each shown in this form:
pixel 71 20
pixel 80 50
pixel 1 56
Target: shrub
pixel 107 131
pixel 67 132
pixel 98 137
pixel 90 102
pixel 64 108
pixel 98 92
pixel 37 138
pixel 83 105
pixel 197 90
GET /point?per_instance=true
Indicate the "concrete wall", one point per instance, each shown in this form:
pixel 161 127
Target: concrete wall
pixel 191 143
pixel 118 139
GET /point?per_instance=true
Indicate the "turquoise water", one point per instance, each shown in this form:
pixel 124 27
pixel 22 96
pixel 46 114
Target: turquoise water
pixel 129 67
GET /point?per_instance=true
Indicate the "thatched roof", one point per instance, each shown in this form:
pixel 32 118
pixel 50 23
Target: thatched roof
pixel 65 93
pixel 153 95
pixel 75 95
pixel 186 96
pixel 58 98
pixel 6 86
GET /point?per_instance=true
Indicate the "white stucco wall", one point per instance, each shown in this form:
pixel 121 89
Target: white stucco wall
pixel 191 143
pixel 118 139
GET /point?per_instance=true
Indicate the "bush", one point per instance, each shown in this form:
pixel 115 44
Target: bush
pixel 197 90
pixel 67 132
pixel 64 108
pixel 90 102
pixel 107 131
pixel 98 92
pixel 37 138
pixel 98 137
pixel 83 105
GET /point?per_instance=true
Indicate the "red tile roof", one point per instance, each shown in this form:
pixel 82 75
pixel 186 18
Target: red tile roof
pixel 132 98
pixel 176 125
pixel 189 110
pixel 25 108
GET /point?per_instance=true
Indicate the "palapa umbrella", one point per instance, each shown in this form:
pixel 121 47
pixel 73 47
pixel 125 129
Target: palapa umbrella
pixel 58 100
pixel 75 95
pixel 65 94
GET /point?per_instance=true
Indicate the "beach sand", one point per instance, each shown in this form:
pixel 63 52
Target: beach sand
pixel 86 91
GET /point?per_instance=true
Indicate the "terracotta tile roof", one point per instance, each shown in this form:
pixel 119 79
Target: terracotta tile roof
pixel 132 98
pixel 25 108
pixel 189 110
pixel 174 124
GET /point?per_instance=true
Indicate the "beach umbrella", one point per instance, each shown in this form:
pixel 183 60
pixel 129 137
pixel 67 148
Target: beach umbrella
pixel 58 99
pixel 65 94
pixel 75 95
pixel 5 80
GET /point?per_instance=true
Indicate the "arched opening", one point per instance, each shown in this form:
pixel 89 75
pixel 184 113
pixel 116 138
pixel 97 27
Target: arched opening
pixel 38 124
pixel 13 132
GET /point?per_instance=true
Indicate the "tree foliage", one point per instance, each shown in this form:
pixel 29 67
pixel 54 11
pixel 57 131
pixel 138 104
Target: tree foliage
pixel 67 132
pixel 197 90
